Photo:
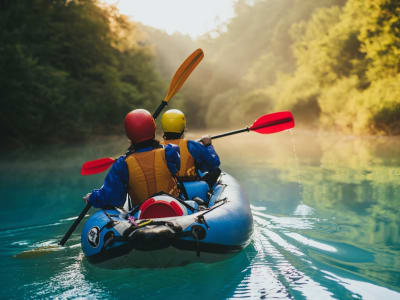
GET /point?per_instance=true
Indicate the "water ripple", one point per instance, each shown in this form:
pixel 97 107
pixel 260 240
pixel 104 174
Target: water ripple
pixel 284 268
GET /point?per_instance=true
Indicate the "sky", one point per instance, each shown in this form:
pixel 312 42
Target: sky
pixel 192 17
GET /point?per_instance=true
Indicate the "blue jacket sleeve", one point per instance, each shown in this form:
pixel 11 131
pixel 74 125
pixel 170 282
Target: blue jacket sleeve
pixel 173 158
pixel 113 192
pixel 205 157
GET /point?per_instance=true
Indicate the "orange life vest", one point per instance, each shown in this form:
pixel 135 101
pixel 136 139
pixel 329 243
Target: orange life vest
pixel 148 175
pixel 188 169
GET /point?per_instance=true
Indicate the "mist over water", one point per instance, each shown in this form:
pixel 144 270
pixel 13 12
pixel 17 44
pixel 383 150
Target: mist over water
pixel 325 213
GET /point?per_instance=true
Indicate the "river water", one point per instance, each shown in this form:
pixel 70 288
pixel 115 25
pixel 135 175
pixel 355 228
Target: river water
pixel 326 223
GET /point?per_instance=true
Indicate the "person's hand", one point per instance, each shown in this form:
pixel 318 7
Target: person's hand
pixel 86 197
pixel 206 140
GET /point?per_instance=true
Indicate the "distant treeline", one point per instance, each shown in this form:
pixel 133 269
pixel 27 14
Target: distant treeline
pixel 333 63
pixel 70 68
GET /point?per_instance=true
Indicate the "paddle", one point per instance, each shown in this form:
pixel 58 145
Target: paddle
pixel 265 124
pixel 180 77
pixel 50 248
pixel 102 164
pixel 76 223
pixel 96 166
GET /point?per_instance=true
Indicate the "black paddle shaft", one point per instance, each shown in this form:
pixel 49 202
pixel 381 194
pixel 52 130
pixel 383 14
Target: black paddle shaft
pixel 76 223
pixel 269 124
pixel 159 109
pixel 230 133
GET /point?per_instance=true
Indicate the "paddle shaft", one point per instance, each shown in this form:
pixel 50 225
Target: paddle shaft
pixel 179 78
pixel 230 133
pixel 273 123
pixel 270 120
pixel 76 223
pixel 159 109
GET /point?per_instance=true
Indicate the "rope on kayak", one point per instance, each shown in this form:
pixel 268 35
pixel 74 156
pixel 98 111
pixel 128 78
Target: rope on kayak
pixel 200 219
pixel 196 237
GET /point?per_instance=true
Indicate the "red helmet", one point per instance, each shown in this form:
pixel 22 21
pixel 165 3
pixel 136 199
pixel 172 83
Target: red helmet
pixel 140 126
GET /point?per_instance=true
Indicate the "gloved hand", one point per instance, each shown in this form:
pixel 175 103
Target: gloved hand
pixel 206 140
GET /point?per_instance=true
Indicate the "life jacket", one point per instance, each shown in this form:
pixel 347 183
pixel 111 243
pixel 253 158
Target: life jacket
pixel 187 171
pixel 148 175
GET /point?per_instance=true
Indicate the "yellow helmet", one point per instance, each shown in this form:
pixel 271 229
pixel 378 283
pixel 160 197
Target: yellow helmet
pixel 173 120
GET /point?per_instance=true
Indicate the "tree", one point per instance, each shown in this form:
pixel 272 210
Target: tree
pixel 70 69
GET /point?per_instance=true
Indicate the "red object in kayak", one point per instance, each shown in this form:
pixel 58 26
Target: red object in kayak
pixel 162 206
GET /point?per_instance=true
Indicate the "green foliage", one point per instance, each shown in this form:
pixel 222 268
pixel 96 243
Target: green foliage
pixel 342 113
pixel 80 67
pixel 382 99
pixel 352 56
pixel 70 69
pixel 380 36
pixel 249 60
pixel 333 63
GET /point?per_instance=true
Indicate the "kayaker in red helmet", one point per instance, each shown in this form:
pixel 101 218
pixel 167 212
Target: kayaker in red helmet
pixel 195 155
pixel 146 169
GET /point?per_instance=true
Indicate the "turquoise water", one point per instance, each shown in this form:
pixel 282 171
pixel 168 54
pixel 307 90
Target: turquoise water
pixel 326 224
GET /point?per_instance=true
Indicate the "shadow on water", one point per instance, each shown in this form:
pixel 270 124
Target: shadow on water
pixel 68 275
pixel 197 281
pixel 325 223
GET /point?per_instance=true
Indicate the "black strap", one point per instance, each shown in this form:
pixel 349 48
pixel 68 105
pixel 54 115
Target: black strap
pixel 182 188
pixel 196 237
pixel 185 204
pixel 137 208
pixel 188 178
pixel 212 177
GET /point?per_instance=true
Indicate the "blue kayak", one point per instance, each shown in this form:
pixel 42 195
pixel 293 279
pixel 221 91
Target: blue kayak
pixel 213 225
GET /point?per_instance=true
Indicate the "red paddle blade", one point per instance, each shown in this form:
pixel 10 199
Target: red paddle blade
pixel 274 122
pixel 96 166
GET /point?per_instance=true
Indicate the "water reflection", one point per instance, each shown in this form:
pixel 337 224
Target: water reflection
pixel 362 289
pixel 311 243
pixel 325 210
pixel 288 263
pixel 338 197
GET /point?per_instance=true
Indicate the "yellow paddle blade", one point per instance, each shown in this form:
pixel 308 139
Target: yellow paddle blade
pixel 37 251
pixel 183 72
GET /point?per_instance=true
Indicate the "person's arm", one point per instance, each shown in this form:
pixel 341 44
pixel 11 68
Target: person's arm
pixel 205 156
pixel 173 158
pixel 113 192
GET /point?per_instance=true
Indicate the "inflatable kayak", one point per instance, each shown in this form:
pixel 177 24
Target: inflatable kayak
pixel 213 225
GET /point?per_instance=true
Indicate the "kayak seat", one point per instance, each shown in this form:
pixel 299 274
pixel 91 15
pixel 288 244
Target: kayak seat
pixel 197 189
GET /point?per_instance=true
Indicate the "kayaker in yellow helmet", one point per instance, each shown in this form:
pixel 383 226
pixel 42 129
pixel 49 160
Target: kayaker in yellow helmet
pixel 146 169
pixel 194 155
